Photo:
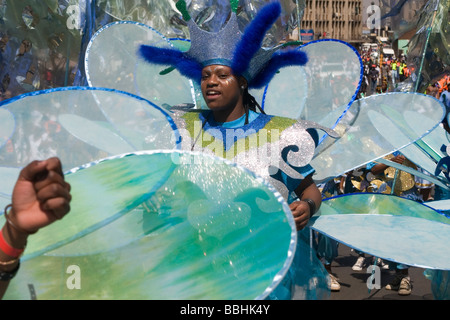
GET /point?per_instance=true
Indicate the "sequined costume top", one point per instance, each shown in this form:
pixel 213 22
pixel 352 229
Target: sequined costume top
pixel 276 148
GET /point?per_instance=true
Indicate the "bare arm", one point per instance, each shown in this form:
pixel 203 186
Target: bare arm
pixel 301 210
pixel 40 197
pixel 380 167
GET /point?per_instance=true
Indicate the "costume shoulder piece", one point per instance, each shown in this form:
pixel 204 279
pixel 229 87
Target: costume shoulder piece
pixel 276 148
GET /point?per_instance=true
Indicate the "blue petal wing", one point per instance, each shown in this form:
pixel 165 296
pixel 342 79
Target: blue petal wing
pixel 389 227
pixel 184 244
pixel 112 61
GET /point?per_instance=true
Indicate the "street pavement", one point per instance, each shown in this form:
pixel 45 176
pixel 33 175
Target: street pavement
pixel 354 283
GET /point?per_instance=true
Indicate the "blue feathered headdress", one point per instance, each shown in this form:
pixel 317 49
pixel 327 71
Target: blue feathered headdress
pixel 240 51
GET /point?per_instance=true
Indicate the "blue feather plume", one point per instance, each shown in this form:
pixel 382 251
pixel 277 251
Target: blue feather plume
pixel 253 36
pixel 162 56
pixel 172 57
pixel 278 61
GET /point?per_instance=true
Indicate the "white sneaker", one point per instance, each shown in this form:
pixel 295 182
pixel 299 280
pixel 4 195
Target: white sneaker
pixel 405 287
pixel 334 283
pixel 358 266
pixel 402 284
pixel 382 264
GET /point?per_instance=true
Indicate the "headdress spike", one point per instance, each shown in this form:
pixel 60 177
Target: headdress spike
pixel 234 5
pixel 253 36
pixel 181 5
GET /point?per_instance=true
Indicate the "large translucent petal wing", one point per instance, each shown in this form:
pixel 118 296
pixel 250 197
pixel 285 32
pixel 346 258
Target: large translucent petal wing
pixel 412 152
pixel 190 238
pixel 9 175
pixel 7 124
pixel 5 199
pixel 389 227
pixel 80 125
pixel 102 192
pixel 426 153
pixel 432 143
pixel 286 94
pixel 112 61
pixel 323 89
pixel 377 127
pixel 334 77
pixel 440 205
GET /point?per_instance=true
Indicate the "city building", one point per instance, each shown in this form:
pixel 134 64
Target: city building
pixel 354 22
pixel 337 19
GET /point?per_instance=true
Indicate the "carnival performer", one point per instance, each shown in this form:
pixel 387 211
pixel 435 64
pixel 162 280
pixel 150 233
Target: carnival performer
pixel 384 179
pixel 226 64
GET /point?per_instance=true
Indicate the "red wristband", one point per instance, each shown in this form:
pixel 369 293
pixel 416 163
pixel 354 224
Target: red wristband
pixel 6 248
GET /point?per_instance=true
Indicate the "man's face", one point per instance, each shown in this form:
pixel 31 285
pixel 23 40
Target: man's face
pixel 220 87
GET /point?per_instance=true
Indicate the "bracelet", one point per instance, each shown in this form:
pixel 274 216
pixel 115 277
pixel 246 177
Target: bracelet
pixel 8 275
pixel 7 249
pixel 312 206
pixel 7 263
pixel 12 224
